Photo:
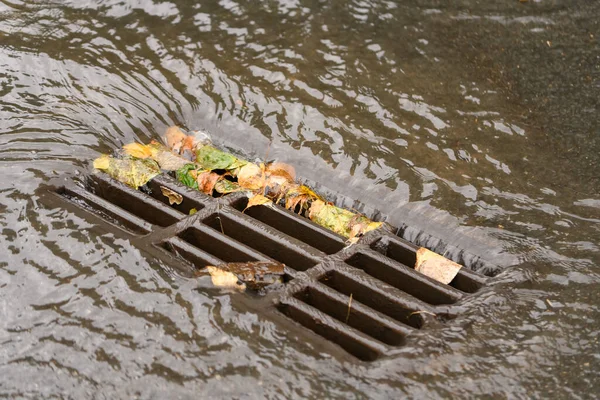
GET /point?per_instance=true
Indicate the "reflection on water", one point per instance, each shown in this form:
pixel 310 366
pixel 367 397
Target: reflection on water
pixel 416 111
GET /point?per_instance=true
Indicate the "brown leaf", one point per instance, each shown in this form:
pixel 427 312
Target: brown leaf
pixel 251 177
pixel 282 170
pixel 299 194
pixel 435 266
pixel 254 275
pixel 257 200
pixel 174 197
pixel 207 180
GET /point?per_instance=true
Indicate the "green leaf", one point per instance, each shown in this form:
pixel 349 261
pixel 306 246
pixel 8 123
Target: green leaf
pixel 184 176
pixel 210 158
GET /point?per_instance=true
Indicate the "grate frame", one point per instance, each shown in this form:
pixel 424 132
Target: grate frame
pixel 365 298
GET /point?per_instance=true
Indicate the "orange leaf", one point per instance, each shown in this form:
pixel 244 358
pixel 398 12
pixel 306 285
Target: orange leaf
pixel 206 181
pixel 175 137
pixel 251 177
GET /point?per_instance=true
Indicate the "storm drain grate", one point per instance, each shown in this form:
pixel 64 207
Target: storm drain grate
pixel 366 298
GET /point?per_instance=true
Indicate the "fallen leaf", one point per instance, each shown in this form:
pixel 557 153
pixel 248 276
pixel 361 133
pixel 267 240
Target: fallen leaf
pixel 210 158
pixel 257 200
pixel 253 274
pixel 174 197
pixel 279 178
pixel 225 186
pixel 436 266
pixel 165 158
pixel 193 211
pixel 207 180
pixel 341 221
pixel 187 175
pixel 134 172
pixel 251 177
pixel 137 150
pixel 174 138
pixel 102 162
pixel 299 195
pixel 281 169
pixel 225 279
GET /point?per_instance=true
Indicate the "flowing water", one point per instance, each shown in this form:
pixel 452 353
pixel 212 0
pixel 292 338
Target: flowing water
pixel 475 122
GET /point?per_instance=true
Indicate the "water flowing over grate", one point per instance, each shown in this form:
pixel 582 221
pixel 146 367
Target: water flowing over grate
pixel 365 298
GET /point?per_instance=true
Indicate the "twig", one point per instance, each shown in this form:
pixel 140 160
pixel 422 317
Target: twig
pixel 421 312
pixel 219 216
pixel 349 305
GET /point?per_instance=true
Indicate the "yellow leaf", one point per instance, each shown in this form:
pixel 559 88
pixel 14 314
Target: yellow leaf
pixel 342 222
pixel 174 197
pixel 102 162
pixel 224 279
pixel 257 200
pixel 435 266
pixel 137 150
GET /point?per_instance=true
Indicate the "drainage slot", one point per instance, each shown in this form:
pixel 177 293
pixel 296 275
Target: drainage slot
pixel 382 303
pixel 134 201
pixel 219 246
pixel 405 279
pixel 184 207
pixel 405 253
pixel 104 209
pixel 352 343
pixel 256 237
pixel 295 226
pixel 357 319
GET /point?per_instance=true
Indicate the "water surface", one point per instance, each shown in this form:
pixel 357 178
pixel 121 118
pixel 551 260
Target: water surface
pixel 475 123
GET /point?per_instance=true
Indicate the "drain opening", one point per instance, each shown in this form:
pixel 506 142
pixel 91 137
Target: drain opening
pixel 378 301
pixel 352 316
pixel 220 246
pixel 405 253
pixel 297 227
pixel 360 347
pixel 133 201
pixel 103 209
pixel 268 244
pixel 405 279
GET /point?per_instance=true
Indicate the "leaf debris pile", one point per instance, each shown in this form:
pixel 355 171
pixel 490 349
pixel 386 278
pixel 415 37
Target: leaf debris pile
pixel 199 165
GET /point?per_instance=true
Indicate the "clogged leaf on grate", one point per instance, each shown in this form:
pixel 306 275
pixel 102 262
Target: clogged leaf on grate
pixel 210 158
pixel 207 181
pixel 299 195
pixel 134 172
pixel 225 186
pixel 225 279
pixel 251 177
pixel 436 266
pixel 257 200
pixel 174 197
pixel 187 175
pixel 342 222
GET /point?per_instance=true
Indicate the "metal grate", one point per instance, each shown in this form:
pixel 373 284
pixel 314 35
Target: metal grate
pixel 388 299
